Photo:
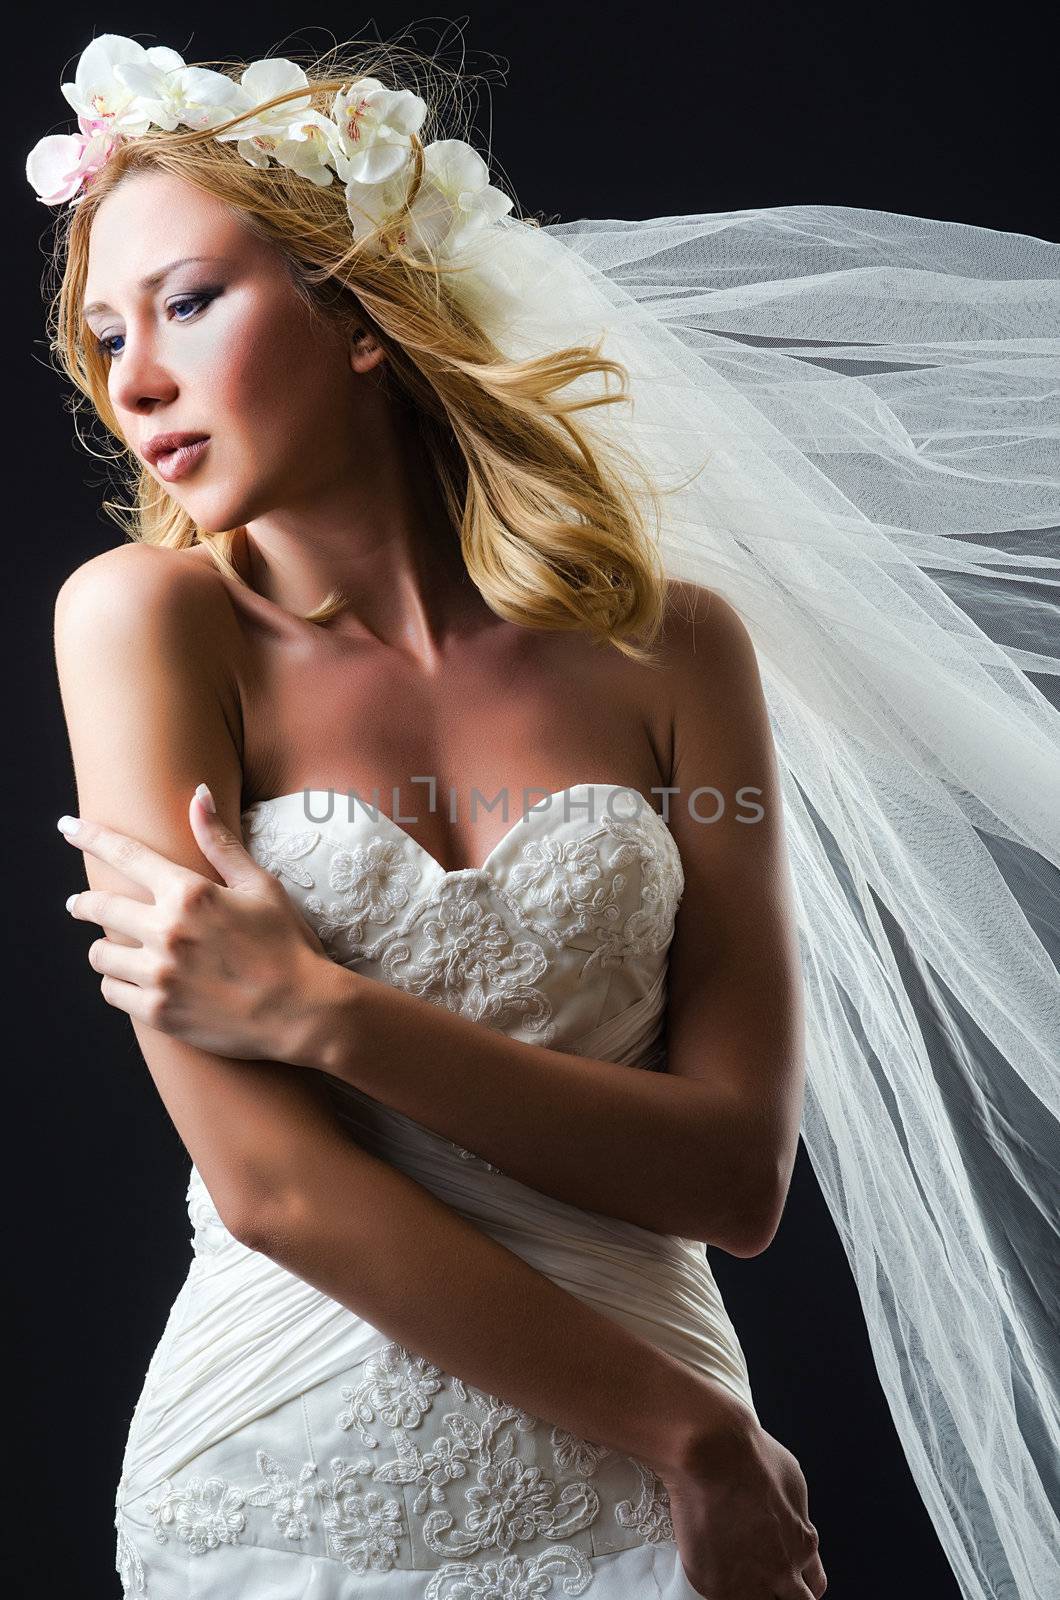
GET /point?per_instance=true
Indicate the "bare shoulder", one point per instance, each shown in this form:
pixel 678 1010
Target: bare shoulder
pixel 135 578
pixel 734 1006
pixel 702 627
pixel 142 611
pixel 705 660
pixel 721 728
pixel 165 597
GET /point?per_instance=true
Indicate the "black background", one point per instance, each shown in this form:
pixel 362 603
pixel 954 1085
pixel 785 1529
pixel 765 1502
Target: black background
pixel 610 110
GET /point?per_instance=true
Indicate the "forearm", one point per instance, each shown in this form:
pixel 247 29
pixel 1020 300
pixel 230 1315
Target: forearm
pixel 376 1241
pixel 671 1154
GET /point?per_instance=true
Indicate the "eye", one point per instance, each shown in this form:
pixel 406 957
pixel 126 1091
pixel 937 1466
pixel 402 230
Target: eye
pixel 105 346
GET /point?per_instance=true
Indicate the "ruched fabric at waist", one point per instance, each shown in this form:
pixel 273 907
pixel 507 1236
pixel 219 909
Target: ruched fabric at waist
pixel 245 1334
pixel 658 1285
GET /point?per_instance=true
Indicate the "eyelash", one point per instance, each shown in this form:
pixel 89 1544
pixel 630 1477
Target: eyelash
pixel 103 345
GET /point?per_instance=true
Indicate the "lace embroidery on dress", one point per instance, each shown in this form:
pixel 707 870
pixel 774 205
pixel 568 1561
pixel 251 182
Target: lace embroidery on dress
pixel 280 851
pixel 508 1503
pixel 289 1498
pixel 513 1579
pixel 566 879
pixel 469 963
pixel 211 1235
pixel 650 1516
pixel 363 1530
pixel 127 1562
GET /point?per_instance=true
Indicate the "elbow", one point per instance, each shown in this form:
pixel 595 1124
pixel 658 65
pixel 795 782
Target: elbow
pixel 261 1202
pixel 753 1242
pixel 769 1168
pixel 758 1222
pixel 257 1221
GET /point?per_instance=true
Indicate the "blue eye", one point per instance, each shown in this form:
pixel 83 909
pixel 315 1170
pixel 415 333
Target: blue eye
pixel 104 346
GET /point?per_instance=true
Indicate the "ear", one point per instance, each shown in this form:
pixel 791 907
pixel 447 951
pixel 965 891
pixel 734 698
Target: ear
pixel 365 351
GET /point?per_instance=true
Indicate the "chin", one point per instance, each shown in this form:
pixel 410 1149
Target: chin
pixel 213 516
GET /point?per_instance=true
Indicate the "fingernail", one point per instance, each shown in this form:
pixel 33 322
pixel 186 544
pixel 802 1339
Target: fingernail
pixel 203 794
pixel 70 902
pixel 68 825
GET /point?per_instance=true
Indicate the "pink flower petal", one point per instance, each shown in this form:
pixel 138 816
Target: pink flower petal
pixel 53 166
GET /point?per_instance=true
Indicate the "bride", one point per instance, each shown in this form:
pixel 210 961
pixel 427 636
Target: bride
pixel 776 846
pixel 449 1323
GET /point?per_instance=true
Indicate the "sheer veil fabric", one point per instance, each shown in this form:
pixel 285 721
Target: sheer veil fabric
pixel 863 409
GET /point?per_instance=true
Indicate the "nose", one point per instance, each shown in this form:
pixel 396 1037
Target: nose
pixel 140 379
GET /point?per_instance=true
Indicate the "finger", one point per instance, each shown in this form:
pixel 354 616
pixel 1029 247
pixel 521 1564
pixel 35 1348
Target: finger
pixel 127 997
pixel 115 912
pixel 794 1588
pixel 813 1576
pixel 219 844
pixel 122 961
pixel 131 857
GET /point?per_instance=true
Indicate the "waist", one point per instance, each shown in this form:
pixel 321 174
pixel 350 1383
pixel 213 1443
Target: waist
pixel 660 1286
pixel 246 1334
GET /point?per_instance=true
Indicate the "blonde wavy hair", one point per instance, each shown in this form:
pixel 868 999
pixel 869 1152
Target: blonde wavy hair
pixel 552 532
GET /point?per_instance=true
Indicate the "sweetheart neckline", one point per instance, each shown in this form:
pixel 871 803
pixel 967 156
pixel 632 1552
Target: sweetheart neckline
pixel 503 843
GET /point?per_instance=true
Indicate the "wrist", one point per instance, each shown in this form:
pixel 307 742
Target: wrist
pixel 696 1424
pixel 719 1430
pixel 324 1018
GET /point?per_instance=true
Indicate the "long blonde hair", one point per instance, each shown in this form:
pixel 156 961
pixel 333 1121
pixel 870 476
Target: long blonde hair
pixel 551 530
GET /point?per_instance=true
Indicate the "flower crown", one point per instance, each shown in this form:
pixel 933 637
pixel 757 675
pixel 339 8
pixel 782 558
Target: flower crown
pixel 121 89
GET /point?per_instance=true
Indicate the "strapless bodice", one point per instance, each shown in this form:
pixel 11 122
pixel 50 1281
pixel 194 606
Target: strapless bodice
pixel 566 924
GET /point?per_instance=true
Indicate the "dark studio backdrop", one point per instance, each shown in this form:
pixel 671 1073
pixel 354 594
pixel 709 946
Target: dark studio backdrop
pixel 610 110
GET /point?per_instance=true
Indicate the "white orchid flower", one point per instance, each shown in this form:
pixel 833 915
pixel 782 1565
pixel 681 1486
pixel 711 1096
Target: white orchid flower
pixel 375 206
pixel 456 183
pixel 99 94
pixel 173 94
pixel 119 91
pixel 260 82
pixel 370 204
pixel 375 127
pixel 454 202
pixel 310 147
pixel 291 133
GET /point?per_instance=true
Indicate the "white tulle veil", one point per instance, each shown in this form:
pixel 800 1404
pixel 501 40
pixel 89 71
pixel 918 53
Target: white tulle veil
pixel 867 406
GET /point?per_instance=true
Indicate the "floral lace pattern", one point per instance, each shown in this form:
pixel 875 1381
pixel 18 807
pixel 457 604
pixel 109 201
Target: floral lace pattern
pixel 479 941
pixel 578 883
pixel 474 1504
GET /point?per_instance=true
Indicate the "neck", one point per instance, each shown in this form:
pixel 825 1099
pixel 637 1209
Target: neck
pixel 382 536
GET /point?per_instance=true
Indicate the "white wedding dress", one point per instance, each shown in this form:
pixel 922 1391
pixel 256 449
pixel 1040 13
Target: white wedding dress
pixel 282 1448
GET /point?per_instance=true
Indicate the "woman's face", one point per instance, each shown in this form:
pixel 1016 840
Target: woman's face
pixel 222 346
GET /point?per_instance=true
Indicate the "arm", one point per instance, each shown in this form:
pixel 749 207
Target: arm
pixel 667 1152
pixel 150 714
pixel 706 1149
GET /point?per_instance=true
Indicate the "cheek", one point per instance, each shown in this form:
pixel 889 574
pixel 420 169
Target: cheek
pixel 274 382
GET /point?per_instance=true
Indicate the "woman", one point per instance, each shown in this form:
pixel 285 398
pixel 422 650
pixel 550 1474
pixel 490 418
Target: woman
pixel 312 1302
pixel 357 417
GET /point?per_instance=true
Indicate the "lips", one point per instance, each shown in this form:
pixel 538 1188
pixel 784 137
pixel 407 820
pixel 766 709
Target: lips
pixel 162 444
pixel 174 463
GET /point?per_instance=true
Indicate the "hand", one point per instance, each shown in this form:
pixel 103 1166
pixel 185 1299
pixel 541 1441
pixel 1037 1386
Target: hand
pixel 740 1515
pixel 228 967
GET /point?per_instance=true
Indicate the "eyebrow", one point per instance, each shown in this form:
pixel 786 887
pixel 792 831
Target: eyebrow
pixel 152 281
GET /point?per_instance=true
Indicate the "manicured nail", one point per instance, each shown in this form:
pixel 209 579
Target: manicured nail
pixel 71 902
pixel 204 796
pixel 68 825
